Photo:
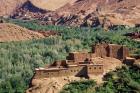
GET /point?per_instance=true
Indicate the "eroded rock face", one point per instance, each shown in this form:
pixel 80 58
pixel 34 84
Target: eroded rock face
pixel 83 13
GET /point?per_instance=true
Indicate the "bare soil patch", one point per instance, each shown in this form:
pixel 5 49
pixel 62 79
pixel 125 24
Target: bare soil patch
pixel 11 32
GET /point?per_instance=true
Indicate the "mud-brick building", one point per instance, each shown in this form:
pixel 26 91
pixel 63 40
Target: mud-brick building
pixel 110 50
pixel 81 64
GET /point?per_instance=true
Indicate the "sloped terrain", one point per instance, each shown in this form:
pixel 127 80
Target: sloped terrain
pixel 28 10
pixel 7 7
pixel 10 32
pixel 106 13
pixel 51 4
pixel 110 12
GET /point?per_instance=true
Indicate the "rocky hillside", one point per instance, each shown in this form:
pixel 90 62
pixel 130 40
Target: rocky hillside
pixel 7 7
pixel 51 4
pixel 107 13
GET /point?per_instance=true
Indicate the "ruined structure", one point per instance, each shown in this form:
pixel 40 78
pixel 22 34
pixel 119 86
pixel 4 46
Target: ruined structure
pixel 111 50
pixel 81 64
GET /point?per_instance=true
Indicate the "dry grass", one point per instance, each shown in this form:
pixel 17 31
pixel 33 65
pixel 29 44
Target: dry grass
pixel 8 6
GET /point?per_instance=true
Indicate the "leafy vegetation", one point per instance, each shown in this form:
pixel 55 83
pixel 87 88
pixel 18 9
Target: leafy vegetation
pixel 78 87
pixel 18 59
pixel 124 80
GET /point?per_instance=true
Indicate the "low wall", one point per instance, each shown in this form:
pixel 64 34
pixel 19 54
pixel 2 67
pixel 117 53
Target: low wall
pixel 79 71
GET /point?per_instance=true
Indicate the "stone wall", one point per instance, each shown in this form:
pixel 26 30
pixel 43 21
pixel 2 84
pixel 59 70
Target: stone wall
pixel 80 57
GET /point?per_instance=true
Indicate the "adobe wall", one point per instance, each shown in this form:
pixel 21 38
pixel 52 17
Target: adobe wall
pixel 76 71
pixel 125 52
pixel 80 57
pixel 110 50
pixel 79 71
pixel 95 69
pixel 71 71
pixel 100 50
pixel 62 63
pixel 46 73
pixel 117 51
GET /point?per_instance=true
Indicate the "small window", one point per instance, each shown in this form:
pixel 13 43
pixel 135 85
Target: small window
pixel 100 68
pixel 90 68
pixel 94 67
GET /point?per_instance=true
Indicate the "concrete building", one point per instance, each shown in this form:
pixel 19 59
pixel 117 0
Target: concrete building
pixel 81 64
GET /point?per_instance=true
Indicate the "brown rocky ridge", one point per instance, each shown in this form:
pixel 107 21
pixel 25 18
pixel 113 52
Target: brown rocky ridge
pixel 7 7
pixel 83 13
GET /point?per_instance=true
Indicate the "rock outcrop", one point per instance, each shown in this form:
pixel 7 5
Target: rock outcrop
pixel 81 13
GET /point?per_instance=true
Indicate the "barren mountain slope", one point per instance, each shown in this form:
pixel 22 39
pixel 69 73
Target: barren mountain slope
pixel 109 12
pixel 77 12
pixel 84 12
pixel 51 4
pixel 11 32
pixel 8 6
pixel 84 5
